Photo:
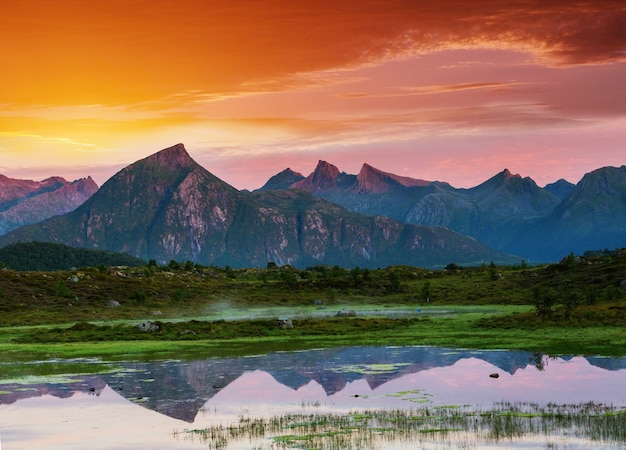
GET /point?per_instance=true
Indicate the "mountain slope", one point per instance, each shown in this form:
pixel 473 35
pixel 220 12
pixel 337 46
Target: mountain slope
pixel 282 180
pixel 23 202
pixel 592 217
pixel 168 207
pixel 495 212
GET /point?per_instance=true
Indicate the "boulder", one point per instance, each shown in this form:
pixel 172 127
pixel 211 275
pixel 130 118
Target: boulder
pixel 148 326
pixel 346 313
pixel 284 323
pixel 113 303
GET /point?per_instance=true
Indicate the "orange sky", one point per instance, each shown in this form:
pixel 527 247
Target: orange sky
pixel 449 90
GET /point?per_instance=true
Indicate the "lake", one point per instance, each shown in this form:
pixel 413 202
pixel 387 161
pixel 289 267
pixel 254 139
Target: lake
pixel 343 397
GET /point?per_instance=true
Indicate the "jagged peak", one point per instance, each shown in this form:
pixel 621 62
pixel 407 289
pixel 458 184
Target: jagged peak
pixel 173 157
pixel 88 181
pixel 326 168
pixel 289 171
pixel 507 175
pixel 503 176
pixel 372 179
pixel 323 177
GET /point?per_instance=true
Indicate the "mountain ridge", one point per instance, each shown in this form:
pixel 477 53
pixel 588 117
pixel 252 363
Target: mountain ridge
pixel 166 207
pixel 503 211
pixel 23 202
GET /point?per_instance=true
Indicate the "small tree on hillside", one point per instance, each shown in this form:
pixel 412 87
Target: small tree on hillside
pixel 544 302
pixel 426 292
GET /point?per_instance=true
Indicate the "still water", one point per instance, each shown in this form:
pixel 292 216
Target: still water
pixel 78 404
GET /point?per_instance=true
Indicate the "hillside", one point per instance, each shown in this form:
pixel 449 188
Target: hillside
pixel 46 256
pixel 579 291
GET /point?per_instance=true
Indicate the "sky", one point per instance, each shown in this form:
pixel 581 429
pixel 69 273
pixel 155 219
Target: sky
pixel 446 90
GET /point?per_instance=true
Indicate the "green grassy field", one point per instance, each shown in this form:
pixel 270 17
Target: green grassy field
pixel 574 307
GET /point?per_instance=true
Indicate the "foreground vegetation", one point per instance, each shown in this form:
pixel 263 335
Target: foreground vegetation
pixel 574 307
pixel 461 425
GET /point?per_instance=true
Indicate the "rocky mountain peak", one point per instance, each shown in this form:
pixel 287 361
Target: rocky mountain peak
pixel 324 177
pixel 376 181
pixel 174 157
pixel 85 185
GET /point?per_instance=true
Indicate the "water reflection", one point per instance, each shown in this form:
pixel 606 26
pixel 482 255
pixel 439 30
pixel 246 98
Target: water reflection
pixel 143 403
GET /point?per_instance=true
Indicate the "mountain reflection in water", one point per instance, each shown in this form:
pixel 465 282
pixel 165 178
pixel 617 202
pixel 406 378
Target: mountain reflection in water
pixel 342 378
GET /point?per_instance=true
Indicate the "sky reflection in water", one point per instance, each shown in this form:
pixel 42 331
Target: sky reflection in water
pixel 142 404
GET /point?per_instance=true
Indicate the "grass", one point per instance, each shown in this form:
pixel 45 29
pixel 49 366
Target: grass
pixel 224 311
pixel 459 327
pixel 456 425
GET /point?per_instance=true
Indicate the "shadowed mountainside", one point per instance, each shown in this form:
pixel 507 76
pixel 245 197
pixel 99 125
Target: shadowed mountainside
pixel 507 212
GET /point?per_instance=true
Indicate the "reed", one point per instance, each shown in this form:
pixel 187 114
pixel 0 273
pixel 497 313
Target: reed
pixel 466 426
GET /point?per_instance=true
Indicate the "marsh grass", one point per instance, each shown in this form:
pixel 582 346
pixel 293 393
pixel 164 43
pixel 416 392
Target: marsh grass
pixel 466 425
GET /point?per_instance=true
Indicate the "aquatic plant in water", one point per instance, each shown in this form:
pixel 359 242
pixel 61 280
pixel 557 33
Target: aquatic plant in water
pixel 455 425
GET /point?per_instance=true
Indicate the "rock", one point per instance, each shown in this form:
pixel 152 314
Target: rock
pixel 346 313
pixel 156 313
pixel 494 375
pixel 284 323
pixel 148 326
pixel 113 303
pixel 622 283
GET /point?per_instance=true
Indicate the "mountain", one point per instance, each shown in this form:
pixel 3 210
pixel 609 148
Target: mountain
pixel 507 212
pixel 282 180
pixel 23 202
pixel 592 216
pixel 505 204
pixel 560 188
pixel 167 207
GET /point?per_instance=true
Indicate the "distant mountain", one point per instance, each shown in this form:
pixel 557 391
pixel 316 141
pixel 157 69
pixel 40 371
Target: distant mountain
pixel 507 212
pixel 46 256
pixel 593 216
pixel 560 189
pixel 24 202
pixel 282 180
pixel 166 207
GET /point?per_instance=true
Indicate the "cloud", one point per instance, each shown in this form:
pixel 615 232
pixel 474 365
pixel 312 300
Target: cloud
pixel 74 51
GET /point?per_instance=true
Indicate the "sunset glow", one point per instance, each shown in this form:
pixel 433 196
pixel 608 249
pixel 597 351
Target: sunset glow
pixel 450 90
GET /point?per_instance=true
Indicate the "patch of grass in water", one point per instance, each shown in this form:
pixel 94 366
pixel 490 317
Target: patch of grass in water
pixel 368 369
pixel 365 429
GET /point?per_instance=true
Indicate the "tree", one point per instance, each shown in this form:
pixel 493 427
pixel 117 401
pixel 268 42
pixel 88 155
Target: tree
pixel 356 276
pixel 570 302
pixel 493 272
pixel 394 280
pixel 544 302
pixel 426 292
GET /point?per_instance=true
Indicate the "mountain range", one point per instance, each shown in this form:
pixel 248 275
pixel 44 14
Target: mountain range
pixel 23 202
pixel 507 212
pixel 167 207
